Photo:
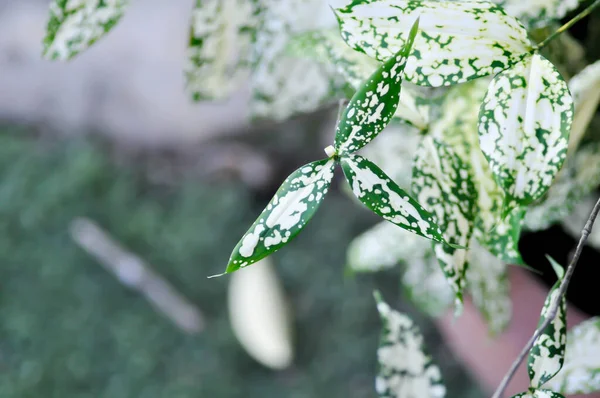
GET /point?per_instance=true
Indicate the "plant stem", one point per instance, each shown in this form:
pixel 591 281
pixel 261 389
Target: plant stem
pixel 562 290
pixel 568 25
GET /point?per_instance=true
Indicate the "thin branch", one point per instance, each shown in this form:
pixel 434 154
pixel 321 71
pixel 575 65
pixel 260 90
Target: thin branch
pixel 562 290
pixel 568 25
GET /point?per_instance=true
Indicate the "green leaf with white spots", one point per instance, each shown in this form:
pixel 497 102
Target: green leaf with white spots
pixel 536 14
pixel 74 25
pixel 533 393
pixel 579 177
pixel 405 369
pixel 581 371
pixel 524 127
pixel 384 246
pixel 424 283
pixel 503 239
pixel 585 88
pixel 458 41
pixel 373 105
pixel 293 205
pixel 219 53
pixel 489 288
pixel 547 355
pixel 385 198
pixel 444 184
pixel 328 47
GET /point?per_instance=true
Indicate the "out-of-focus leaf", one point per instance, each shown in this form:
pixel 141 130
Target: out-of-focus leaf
pixel 222 34
pixel 503 239
pixel 524 127
pixel 371 108
pixel 581 371
pixel 285 216
pixel 538 394
pixel 536 14
pixel 74 25
pixel 458 41
pixel 405 369
pixel 585 88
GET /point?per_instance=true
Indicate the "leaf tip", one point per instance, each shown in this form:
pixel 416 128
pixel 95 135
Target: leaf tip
pixel 558 269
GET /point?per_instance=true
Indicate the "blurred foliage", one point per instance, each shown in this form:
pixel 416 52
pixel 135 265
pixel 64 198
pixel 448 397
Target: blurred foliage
pixel 69 329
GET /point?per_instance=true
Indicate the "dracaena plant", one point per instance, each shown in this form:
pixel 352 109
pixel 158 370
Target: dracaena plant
pixel 491 143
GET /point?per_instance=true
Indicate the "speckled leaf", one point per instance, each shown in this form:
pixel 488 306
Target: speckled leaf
pixel 327 46
pixel 424 283
pixel 287 213
pixel 282 85
pixel 373 105
pixel 538 394
pixel 219 52
pixel 581 371
pixel 538 13
pixel 458 41
pixel 579 177
pixel 547 355
pixel 503 239
pixel 74 25
pixel 384 246
pixel 444 183
pixel 524 128
pixel 405 369
pixel 489 288
pixel 385 198
pixel 585 88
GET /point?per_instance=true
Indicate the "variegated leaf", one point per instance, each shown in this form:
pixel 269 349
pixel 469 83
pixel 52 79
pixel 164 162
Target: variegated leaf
pixel 458 41
pixel 222 34
pixel 281 85
pixel 524 128
pixel 579 177
pixel 538 13
pixel 405 369
pixel 547 355
pixel 503 239
pixel 581 371
pixel 384 246
pixel 444 183
pixel 424 283
pixel 385 198
pixel 287 213
pixel 327 46
pixel 488 284
pixel 74 25
pixel 373 105
pixel 533 393
pixel 585 88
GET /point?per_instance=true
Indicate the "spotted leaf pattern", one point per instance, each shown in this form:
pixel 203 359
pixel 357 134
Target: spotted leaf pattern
pixel 219 53
pixel 293 205
pixel 536 393
pixel 74 25
pixel 581 371
pixel 585 88
pixel 385 198
pixel 444 184
pixel 458 41
pixel 503 239
pixel 538 13
pixel 327 46
pixel 524 125
pixel 547 355
pixel 373 105
pixel 405 369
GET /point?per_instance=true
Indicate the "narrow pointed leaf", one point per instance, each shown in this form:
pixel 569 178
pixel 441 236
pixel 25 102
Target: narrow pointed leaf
pixel 75 25
pixel 524 128
pixel 581 371
pixel 294 204
pixel 384 246
pixel 488 284
pixel 385 198
pixel 538 394
pixel 222 34
pixel 444 184
pixel 547 355
pixel 373 105
pixel 327 46
pixel 405 369
pixel 585 88
pixel 458 41
pixel 537 14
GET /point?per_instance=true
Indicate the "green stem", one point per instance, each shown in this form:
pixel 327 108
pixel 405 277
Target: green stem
pixel 568 25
